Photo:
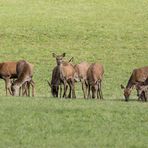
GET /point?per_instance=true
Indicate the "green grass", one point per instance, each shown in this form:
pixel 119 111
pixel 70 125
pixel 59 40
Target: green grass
pixel 113 32
pixel 28 122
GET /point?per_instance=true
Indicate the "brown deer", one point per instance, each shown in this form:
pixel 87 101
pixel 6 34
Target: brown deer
pixel 138 76
pixel 24 72
pixel 81 75
pixel 94 79
pixel 67 72
pixel 7 72
pixel 56 82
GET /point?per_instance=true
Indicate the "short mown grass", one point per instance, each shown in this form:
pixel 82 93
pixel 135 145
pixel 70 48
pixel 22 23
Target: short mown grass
pixel 113 32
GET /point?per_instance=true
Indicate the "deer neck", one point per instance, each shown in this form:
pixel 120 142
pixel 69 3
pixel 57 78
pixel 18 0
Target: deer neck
pixel 130 83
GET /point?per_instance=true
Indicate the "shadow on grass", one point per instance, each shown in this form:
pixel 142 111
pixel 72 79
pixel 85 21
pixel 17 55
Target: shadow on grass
pixel 64 99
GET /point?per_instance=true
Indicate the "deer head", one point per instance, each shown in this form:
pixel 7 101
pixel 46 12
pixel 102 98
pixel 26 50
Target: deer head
pixel 127 92
pixel 59 58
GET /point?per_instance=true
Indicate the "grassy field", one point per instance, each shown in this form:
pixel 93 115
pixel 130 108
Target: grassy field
pixel 113 32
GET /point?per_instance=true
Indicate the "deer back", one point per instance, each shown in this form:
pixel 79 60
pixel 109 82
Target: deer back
pixel 8 69
pixel 66 71
pixel 81 70
pixel 24 70
pixel 138 76
pixel 141 74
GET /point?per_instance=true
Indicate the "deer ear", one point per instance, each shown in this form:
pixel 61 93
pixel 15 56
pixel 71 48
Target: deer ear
pixel 54 55
pixel 64 54
pixel 71 60
pixel 122 87
pixel 49 83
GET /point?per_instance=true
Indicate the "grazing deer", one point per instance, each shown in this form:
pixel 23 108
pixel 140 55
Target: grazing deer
pixel 94 79
pixel 67 72
pixel 7 72
pixel 81 75
pixel 138 76
pixel 24 72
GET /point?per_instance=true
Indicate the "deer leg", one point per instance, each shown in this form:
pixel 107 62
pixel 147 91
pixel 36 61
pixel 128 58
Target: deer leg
pixel 8 86
pixel 94 91
pixel 84 88
pixel 66 88
pixel 24 87
pixel 64 94
pixel 88 93
pixel 70 89
pixel 60 90
pixel 20 90
pixel 100 87
pixel 28 88
pixel 33 87
pixel 98 92
pixel 73 88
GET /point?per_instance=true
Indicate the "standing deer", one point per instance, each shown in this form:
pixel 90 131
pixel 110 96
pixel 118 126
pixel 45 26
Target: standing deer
pixel 67 72
pixel 94 79
pixel 56 83
pixel 81 75
pixel 24 72
pixel 138 76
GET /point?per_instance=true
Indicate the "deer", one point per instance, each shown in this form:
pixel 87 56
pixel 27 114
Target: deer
pixel 24 72
pixel 8 72
pixel 81 75
pixel 67 71
pixel 56 82
pixel 95 74
pixel 138 76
